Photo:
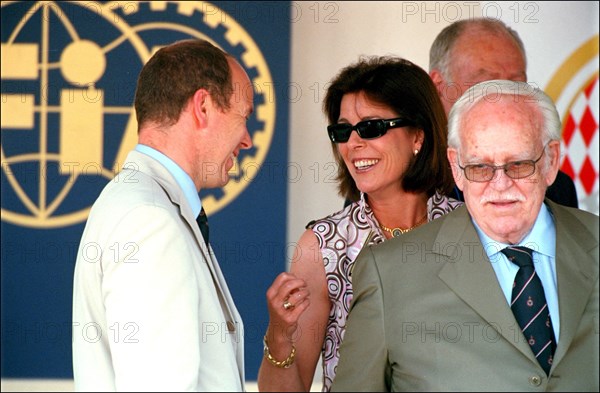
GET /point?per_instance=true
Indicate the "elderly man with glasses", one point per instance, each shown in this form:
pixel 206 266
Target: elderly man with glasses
pixel 499 295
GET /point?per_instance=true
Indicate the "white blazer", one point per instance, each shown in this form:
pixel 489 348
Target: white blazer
pixel 151 308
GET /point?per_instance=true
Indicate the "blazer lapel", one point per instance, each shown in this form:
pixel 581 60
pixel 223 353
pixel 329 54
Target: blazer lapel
pixel 576 273
pixel 232 317
pixel 209 258
pixel 469 274
pixel 162 176
pixel 227 306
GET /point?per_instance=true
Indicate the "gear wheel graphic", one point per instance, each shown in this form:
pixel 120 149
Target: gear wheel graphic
pixel 129 28
pixel 229 35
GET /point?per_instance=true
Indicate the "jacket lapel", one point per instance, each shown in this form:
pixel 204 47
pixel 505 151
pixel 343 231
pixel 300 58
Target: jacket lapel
pixel 162 176
pixel 470 276
pixel 576 273
pixel 146 164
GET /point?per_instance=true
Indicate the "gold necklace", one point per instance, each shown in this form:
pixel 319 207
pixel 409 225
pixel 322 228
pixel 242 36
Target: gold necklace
pixel 395 232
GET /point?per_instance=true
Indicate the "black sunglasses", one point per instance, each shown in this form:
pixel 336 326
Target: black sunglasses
pixel 368 129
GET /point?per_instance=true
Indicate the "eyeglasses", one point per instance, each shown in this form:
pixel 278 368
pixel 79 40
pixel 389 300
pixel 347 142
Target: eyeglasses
pixel 515 170
pixel 368 129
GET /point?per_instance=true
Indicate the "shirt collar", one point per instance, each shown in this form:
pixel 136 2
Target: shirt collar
pixel 184 180
pixel 541 238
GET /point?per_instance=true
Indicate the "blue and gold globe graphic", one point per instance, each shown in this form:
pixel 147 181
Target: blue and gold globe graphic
pixel 69 71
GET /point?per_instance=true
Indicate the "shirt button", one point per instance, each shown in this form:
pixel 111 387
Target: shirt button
pixel 535 380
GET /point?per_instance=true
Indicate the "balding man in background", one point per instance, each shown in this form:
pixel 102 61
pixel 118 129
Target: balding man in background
pixel 475 50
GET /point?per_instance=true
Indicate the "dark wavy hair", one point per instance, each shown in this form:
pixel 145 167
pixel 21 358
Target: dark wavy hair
pixel 174 73
pixel 408 90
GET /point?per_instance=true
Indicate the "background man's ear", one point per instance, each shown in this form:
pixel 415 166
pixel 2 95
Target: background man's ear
pixel 437 78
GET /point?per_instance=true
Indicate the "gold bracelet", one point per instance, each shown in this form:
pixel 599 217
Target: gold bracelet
pixel 281 364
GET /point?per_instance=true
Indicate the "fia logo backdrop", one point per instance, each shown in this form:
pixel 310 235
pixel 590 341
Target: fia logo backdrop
pixel 69 71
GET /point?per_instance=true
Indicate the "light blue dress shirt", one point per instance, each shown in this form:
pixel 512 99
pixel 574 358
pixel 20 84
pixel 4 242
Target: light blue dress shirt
pixel 542 240
pixel 183 179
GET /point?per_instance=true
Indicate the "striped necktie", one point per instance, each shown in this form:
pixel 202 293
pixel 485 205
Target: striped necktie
pixel 530 308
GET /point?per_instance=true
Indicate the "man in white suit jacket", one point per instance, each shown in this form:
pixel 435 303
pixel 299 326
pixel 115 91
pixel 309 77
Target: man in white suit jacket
pixel 151 308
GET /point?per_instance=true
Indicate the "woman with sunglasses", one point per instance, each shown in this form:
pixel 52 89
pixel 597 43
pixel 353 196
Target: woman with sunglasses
pixel 388 134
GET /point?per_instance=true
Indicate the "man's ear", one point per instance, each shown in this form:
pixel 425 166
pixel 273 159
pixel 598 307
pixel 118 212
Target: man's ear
pixel 201 106
pixel 553 151
pixel 443 89
pixel 437 78
pixel 458 174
